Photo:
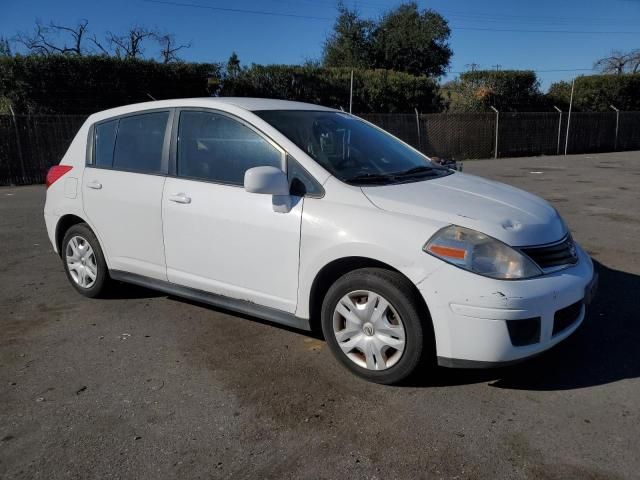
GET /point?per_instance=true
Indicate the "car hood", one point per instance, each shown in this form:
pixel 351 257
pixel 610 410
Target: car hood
pixel 511 215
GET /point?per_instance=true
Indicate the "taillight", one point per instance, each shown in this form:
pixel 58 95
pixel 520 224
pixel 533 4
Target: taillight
pixel 56 172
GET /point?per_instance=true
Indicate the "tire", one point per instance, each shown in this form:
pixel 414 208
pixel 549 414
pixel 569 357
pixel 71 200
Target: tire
pixel 397 315
pixel 88 261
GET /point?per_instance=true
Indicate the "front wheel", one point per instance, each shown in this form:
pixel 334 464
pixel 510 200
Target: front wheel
pixel 84 261
pixel 375 326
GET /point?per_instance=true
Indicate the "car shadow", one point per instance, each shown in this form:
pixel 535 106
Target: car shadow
pixel 603 350
pixel 127 291
pixel 244 316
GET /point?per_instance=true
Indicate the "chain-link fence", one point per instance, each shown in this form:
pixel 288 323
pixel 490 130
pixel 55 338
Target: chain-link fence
pixel 29 145
pixel 473 135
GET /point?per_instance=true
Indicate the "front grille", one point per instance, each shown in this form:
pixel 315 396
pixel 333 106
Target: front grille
pixel 566 317
pixel 555 255
pixel 524 332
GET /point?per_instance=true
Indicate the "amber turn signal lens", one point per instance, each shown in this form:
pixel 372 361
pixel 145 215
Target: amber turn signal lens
pixel 457 253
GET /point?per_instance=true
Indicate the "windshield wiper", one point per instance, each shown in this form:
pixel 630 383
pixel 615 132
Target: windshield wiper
pixel 371 178
pixel 421 169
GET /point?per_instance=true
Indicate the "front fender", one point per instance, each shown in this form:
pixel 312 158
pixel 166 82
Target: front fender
pixel 331 232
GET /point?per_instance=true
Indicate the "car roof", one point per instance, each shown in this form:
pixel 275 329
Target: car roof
pixel 255 104
pixel 244 103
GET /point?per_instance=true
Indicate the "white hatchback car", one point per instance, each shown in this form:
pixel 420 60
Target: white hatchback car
pixel 311 217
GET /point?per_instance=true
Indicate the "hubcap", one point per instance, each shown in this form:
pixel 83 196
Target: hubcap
pixel 369 330
pixel 81 262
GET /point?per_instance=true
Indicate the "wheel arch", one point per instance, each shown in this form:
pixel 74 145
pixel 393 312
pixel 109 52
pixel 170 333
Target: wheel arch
pixel 65 223
pixel 335 269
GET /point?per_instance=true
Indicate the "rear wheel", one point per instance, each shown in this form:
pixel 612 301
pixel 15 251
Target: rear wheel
pixel 84 261
pixel 374 324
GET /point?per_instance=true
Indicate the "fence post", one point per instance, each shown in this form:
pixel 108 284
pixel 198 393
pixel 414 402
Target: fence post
pixel 566 140
pixel 615 142
pixel 18 144
pixel 559 129
pixel 497 126
pixel 418 125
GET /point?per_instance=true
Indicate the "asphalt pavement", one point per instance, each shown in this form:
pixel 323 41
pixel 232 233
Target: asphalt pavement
pixel 141 385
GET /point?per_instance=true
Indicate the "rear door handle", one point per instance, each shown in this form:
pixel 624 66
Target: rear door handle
pixel 179 198
pixel 95 185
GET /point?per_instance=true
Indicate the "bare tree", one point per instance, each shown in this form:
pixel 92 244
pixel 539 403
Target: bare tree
pixel 38 41
pixel 77 34
pixel 101 49
pixel 43 40
pixel 634 61
pixel 5 47
pixel 619 62
pixel 169 47
pixel 130 45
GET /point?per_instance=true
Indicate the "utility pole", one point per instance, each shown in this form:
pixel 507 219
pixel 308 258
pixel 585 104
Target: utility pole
pixel 497 66
pixel 472 66
pixel 615 142
pixel 566 140
pixel 559 129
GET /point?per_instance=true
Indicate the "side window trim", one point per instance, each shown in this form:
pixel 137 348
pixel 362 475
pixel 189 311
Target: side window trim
pixel 91 138
pixel 173 159
pixel 304 173
pixel 164 163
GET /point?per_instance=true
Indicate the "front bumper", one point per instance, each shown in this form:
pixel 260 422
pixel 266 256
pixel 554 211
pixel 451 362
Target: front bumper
pixel 475 317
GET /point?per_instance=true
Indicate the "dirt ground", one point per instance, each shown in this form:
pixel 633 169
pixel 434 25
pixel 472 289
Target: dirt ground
pixel 141 385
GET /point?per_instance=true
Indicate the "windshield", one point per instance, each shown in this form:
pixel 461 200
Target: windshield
pixel 351 149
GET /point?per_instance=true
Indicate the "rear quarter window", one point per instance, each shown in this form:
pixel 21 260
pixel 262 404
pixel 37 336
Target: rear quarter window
pixel 105 140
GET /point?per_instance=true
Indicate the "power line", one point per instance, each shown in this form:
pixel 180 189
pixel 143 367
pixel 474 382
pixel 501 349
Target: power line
pixel 524 69
pixel 513 30
pixel 480 16
pixel 483 15
pixel 315 17
pixel 239 10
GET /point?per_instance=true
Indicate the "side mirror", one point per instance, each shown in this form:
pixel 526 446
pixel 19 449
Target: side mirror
pixel 268 180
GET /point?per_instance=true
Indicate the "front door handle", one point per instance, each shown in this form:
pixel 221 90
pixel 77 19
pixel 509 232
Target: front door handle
pixel 179 198
pixel 95 185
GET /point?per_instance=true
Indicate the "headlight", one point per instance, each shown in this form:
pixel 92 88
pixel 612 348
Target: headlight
pixel 479 253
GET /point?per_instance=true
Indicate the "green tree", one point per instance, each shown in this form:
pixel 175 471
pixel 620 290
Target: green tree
pixel 233 65
pixel 597 92
pixel 508 90
pixel 350 43
pixel 72 84
pixel 413 41
pixel 405 39
pixel 374 90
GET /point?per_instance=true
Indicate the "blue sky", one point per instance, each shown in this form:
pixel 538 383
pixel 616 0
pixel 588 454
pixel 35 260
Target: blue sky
pixel 482 30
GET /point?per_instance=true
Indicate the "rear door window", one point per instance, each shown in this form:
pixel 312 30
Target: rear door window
pixel 139 142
